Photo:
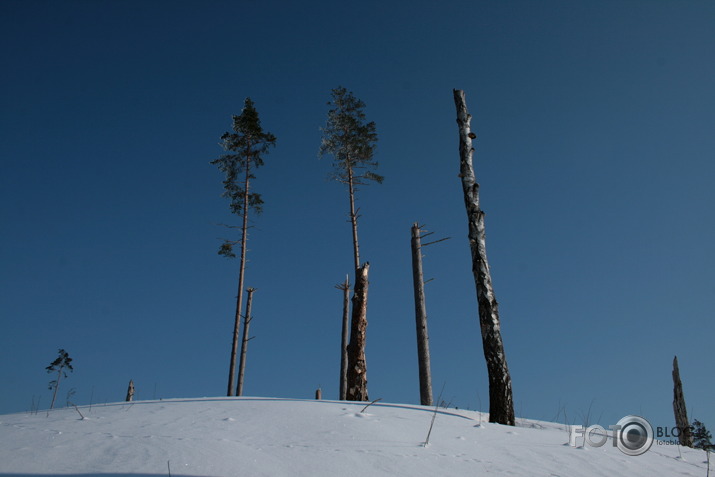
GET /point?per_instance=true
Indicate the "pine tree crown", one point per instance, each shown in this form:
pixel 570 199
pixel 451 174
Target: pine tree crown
pixel 63 361
pixel 702 438
pixel 245 145
pixel 350 139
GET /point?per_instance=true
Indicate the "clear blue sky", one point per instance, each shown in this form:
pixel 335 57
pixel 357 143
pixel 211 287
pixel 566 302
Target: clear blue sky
pixel 595 152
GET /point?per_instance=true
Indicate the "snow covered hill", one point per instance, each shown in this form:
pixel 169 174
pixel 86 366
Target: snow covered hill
pixel 289 437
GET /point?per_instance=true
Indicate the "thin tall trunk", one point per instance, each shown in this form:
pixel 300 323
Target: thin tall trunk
pixel 241 272
pixel 353 218
pixel 57 386
pixel 357 366
pixel 345 287
pixel 423 356
pixel 244 343
pixel 681 414
pixel 501 404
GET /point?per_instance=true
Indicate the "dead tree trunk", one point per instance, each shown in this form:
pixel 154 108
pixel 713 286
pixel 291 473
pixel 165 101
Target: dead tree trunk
pixel 130 391
pixel 681 415
pixel 423 357
pixel 357 366
pixel 241 274
pixel 244 344
pixel 501 404
pixel 345 287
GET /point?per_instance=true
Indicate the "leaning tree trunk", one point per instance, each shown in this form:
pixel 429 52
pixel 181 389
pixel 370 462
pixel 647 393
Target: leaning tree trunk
pixel 357 366
pixel 501 404
pixel 345 287
pixel 244 343
pixel 241 274
pixel 423 357
pixel 57 386
pixel 681 415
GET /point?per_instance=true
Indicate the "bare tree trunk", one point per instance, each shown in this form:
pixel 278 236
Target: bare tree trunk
pixel 501 404
pixel 345 287
pixel 357 366
pixel 423 356
pixel 241 273
pixel 130 391
pixel 244 344
pixel 681 415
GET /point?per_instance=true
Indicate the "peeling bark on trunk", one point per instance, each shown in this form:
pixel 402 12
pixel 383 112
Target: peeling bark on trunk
pixel 681 415
pixel 130 391
pixel 423 356
pixel 501 404
pixel 357 367
pixel 244 343
pixel 345 287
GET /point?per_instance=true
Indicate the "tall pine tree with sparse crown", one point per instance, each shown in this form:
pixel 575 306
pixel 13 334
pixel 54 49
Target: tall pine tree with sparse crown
pixel 245 147
pixel 61 365
pixel 352 140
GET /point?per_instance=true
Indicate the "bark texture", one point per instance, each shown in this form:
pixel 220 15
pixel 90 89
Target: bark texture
pixel 244 342
pixel 357 366
pixel 501 404
pixel 423 356
pixel 345 287
pixel 681 415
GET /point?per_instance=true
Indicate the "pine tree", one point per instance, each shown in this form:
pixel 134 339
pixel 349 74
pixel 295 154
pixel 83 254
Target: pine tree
pixel 351 140
pixel 702 439
pixel 245 147
pixel 61 365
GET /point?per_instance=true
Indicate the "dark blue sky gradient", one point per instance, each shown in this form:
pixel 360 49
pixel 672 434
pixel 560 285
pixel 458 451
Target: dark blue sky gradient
pixel 595 153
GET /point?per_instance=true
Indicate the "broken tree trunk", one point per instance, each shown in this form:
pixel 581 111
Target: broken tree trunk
pixel 345 287
pixel 681 415
pixel 244 344
pixel 357 366
pixel 423 357
pixel 501 404
pixel 130 391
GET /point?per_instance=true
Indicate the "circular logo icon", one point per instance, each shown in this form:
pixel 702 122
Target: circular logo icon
pixel 634 435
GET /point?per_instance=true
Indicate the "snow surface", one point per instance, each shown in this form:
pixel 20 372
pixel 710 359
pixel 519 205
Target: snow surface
pixel 215 437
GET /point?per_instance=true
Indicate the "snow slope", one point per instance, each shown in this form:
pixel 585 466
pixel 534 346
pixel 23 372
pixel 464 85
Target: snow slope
pixel 285 437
